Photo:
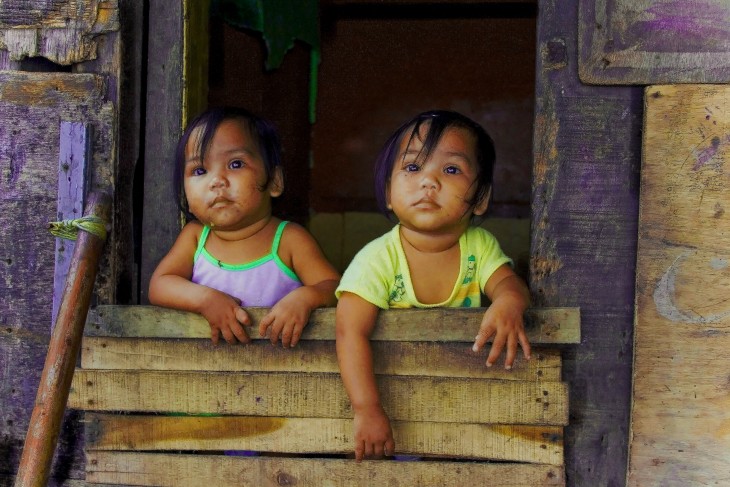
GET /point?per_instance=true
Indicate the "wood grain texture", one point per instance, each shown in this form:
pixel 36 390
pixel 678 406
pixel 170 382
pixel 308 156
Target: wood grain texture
pixel 35 104
pixel 654 41
pixel 62 31
pixel 313 395
pixel 73 167
pixel 195 470
pixel 163 127
pixel 680 425
pixel 585 211
pixel 392 358
pixel 543 326
pixel 531 444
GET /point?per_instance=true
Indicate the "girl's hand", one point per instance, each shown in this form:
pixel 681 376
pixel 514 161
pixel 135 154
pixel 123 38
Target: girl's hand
pixel 225 317
pixel 373 435
pixel 287 318
pixel 503 320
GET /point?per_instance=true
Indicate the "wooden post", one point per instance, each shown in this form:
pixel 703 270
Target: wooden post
pixel 74 159
pixel 63 350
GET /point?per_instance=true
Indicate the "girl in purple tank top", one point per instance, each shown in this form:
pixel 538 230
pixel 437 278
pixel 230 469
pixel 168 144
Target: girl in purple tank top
pixel 234 253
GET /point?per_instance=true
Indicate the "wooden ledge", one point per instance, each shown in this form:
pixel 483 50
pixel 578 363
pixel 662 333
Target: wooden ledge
pixel 552 326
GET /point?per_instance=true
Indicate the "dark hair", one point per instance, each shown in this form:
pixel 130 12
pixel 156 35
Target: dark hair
pixel 437 121
pixel 261 129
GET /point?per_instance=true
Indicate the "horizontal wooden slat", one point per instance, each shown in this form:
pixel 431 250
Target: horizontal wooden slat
pixel 221 471
pixel 444 399
pixel 392 358
pixel 533 444
pixel 544 325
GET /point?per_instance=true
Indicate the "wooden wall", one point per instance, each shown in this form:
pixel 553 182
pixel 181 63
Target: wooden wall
pixel 584 221
pixel 73 62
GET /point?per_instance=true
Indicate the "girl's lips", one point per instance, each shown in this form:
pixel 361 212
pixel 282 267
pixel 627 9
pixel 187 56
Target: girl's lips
pixel 219 202
pixel 426 204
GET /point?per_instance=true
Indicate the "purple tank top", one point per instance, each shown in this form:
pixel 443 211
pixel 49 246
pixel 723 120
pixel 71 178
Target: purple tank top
pixel 262 282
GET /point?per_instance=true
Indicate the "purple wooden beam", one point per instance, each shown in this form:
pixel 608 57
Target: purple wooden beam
pixel 73 163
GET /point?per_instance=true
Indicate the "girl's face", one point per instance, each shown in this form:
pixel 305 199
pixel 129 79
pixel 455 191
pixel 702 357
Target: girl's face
pixel 226 190
pixel 435 195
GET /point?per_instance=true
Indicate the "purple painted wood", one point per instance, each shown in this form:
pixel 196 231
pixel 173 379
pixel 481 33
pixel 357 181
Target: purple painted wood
pixel 625 42
pixel 584 230
pixel 73 164
pixel 34 104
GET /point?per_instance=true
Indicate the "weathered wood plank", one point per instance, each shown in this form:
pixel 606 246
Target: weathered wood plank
pixel 163 127
pixel 32 106
pixel 532 444
pixel 392 358
pixel 195 470
pixel 682 334
pixel 544 326
pixel 654 41
pixel 313 395
pixel 587 145
pixel 73 167
pixel 63 31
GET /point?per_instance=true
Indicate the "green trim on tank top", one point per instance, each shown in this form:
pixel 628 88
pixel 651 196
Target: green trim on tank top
pixel 272 255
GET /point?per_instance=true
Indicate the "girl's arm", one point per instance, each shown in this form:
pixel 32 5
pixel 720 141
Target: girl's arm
pixel 171 287
pixel 504 318
pixel 355 320
pixel 289 316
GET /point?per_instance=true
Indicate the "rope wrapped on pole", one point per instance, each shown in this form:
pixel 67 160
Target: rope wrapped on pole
pixel 63 349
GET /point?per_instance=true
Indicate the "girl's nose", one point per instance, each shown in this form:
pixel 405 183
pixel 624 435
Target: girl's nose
pixel 217 180
pixel 429 180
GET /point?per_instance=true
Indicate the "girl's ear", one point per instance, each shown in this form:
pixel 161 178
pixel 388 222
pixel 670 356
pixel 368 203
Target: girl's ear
pixel 276 185
pixel 481 207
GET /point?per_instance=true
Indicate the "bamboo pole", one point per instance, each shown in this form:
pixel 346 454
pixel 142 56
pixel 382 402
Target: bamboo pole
pixel 63 351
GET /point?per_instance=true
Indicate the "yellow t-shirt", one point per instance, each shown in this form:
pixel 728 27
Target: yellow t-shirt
pixel 379 272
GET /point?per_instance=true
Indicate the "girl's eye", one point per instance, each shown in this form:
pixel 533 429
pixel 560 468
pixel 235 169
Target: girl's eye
pixel 237 164
pixel 412 167
pixel 452 170
pixel 198 171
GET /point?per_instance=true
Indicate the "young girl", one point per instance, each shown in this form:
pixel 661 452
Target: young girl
pixel 434 174
pixel 235 253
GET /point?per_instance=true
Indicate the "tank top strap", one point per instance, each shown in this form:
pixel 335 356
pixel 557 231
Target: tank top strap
pixel 277 238
pixel 201 241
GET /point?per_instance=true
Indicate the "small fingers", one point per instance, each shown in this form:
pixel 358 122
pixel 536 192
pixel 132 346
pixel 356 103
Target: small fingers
pixel 286 335
pixel 265 323
pixel 389 448
pixel 483 337
pixel 240 333
pixel 496 350
pixel 275 331
pixel 296 335
pixel 215 334
pixel 511 352
pixel 525 344
pixel 359 451
pixel 228 335
pixel 378 450
pixel 369 450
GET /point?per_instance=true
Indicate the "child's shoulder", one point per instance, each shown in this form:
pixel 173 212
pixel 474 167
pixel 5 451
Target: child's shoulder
pixel 294 231
pixel 480 234
pixel 193 226
pixel 294 235
pixel 192 230
pixel 382 247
